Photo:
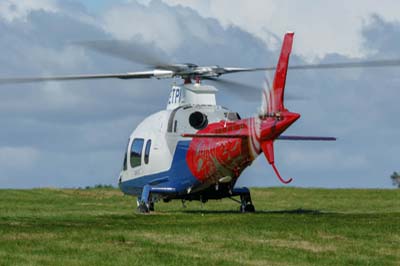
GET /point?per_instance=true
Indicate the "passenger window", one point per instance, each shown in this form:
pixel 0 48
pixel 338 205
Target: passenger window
pixel 136 152
pixel 147 152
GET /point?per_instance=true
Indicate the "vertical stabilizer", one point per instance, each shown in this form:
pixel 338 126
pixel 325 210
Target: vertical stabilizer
pixel 274 97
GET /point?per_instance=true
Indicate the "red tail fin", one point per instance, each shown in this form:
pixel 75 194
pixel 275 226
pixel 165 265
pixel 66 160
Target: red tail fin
pixel 275 105
pixel 278 88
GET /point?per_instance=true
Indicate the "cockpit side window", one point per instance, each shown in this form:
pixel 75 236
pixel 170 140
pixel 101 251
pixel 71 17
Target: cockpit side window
pixel 136 152
pixel 125 166
pixel 147 152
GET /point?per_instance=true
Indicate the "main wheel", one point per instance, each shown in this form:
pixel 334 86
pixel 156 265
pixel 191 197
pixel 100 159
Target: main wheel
pixel 143 208
pixel 249 208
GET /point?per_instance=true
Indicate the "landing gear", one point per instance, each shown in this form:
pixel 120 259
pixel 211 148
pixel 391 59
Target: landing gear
pixel 145 207
pixel 246 205
pixel 247 208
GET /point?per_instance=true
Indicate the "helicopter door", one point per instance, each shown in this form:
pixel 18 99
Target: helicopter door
pixel 136 156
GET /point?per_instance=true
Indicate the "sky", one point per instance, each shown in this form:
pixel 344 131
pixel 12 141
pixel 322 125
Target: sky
pixel 73 134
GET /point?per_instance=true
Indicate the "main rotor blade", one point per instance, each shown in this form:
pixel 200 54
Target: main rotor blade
pixel 245 91
pixel 130 51
pixel 169 71
pixel 231 70
pixel 233 84
pixel 132 75
pixel 361 64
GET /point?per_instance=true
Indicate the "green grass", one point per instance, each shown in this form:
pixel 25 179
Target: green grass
pixel 292 227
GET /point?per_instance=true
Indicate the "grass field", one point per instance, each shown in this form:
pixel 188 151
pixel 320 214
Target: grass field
pixel 292 227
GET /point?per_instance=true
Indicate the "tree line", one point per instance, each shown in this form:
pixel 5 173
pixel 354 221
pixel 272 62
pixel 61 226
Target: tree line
pixel 395 179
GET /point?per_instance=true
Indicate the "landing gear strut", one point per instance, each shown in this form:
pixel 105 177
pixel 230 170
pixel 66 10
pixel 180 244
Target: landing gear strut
pixel 246 205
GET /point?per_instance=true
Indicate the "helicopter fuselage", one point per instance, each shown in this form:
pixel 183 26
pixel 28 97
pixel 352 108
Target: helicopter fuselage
pixel 159 155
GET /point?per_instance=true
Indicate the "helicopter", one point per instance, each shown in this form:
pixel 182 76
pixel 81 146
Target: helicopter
pixel 196 149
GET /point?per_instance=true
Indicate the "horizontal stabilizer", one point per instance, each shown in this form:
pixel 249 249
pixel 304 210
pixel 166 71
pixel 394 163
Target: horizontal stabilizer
pixel 216 135
pixel 243 136
pixel 306 138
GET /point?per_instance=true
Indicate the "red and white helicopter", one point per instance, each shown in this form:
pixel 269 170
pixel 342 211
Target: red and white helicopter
pixel 196 149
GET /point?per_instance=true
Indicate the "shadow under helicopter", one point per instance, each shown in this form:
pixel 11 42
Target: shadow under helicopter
pixel 294 212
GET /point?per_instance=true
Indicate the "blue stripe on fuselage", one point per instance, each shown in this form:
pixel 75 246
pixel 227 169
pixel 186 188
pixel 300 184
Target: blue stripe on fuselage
pixel 178 176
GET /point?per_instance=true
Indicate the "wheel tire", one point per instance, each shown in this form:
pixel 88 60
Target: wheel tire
pixel 249 208
pixel 151 207
pixel 143 208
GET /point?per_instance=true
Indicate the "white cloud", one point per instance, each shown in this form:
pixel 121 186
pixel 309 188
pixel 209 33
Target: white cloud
pixel 321 26
pixel 19 9
pixel 151 24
